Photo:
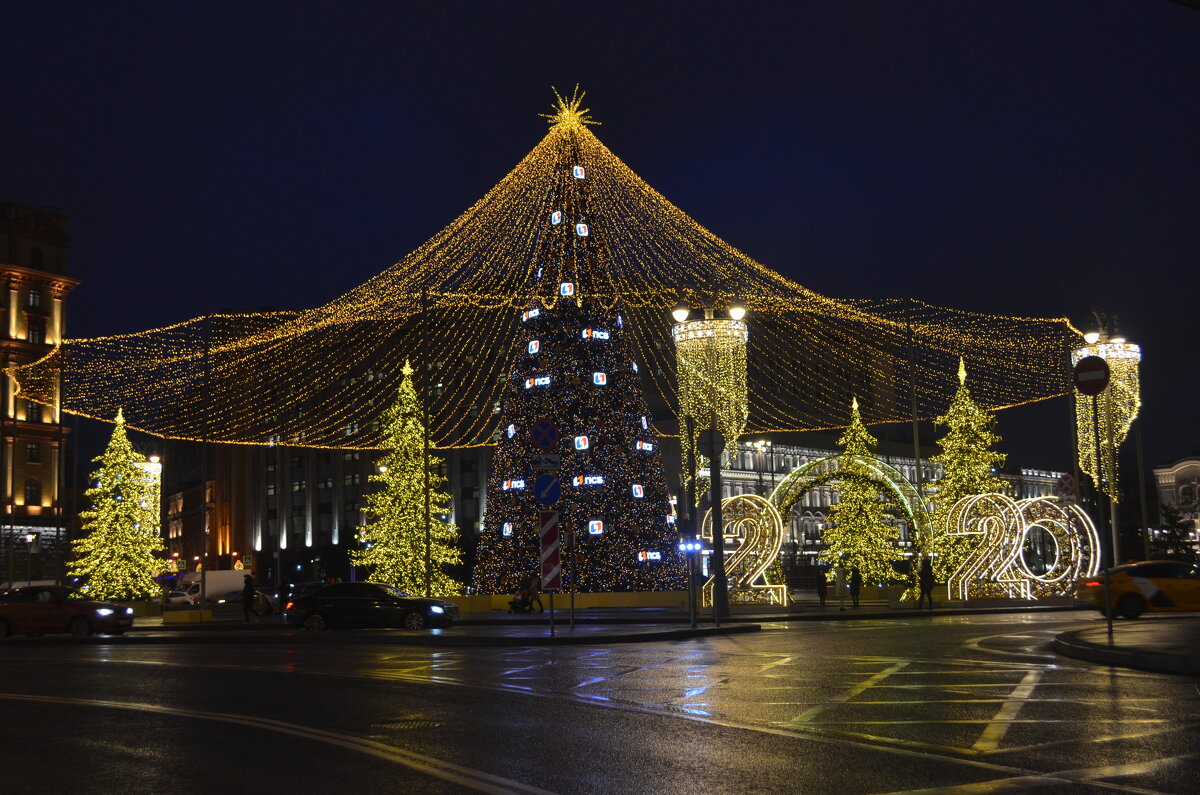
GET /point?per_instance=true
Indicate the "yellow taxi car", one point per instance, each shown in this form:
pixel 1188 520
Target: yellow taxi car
pixel 1155 585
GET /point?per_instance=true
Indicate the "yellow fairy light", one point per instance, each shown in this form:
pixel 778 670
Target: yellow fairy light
pixel 322 377
pixel 711 367
pixel 1115 409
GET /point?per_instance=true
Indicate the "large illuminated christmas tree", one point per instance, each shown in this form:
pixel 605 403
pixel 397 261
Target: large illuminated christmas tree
pixel 119 553
pixel 860 535
pixel 575 370
pixel 400 531
pixel 968 468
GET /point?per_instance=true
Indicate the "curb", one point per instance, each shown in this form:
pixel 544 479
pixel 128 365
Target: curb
pixel 391 638
pixel 1069 644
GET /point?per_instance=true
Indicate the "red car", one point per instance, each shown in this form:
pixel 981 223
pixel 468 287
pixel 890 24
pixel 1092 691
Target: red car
pixel 56 608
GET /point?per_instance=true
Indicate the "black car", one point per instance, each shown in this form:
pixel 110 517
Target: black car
pixel 365 604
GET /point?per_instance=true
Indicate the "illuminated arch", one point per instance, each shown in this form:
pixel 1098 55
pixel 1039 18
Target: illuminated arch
pixel 898 490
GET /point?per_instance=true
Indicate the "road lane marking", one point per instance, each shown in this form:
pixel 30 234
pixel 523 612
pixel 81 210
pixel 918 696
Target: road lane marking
pixel 995 731
pixel 870 682
pixel 476 780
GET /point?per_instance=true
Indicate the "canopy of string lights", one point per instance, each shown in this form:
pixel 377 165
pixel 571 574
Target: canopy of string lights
pixel 322 377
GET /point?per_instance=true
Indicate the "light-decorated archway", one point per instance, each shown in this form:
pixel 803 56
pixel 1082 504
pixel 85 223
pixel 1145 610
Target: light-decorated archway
pixel 896 488
pixel 758 521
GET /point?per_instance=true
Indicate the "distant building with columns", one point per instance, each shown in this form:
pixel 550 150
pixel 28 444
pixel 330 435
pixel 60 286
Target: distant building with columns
pixel 33 264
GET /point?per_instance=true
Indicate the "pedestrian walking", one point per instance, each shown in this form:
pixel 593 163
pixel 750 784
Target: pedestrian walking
pixel 822 586
pixel 855 584
pixel 535 593
pixel 925 582
pixel 248 595
pixel 839 582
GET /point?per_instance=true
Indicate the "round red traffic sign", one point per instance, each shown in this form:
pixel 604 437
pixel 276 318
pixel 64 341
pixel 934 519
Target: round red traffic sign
pixel 1091 375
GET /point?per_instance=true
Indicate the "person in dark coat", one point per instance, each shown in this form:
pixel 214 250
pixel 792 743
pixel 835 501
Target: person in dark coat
pixel 925 582
pixel 248 596
pixel 855 584
pixel 822 586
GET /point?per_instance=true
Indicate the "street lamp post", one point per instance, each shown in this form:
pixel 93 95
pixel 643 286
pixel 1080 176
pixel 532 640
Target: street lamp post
pixel 761 448
pixel 1106 418
pixel 710 355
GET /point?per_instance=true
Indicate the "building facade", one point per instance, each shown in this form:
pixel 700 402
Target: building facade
pixel 33 263
pixel 1179 486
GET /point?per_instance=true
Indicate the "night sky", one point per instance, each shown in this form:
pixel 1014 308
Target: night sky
pixel 1026 158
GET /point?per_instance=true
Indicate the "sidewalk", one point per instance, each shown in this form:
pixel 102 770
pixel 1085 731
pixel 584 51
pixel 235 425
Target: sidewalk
pixel 1162 644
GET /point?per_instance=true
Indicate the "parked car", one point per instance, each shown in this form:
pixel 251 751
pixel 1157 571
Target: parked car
pixel 366 604
pixel 57 608
pixel 178 598
pixel 1154 585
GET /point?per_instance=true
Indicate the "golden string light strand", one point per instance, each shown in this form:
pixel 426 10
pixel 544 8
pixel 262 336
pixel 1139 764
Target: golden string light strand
pixel 321 377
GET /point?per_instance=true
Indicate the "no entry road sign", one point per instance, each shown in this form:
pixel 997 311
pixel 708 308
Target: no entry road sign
pixel 1065 485
pixel 551 563
pixel 1091 375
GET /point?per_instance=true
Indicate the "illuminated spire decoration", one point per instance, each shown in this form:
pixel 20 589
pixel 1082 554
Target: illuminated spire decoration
pixel 569 112
pixel 321 377
pixel 392 545
pixel 859 535
pixel 118 556
pixel 968 469
pixel 575 372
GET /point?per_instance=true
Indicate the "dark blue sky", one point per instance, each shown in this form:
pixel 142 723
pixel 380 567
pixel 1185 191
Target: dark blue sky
pixel 1025 158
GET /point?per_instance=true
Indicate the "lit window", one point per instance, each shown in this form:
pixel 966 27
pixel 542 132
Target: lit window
pixel 507 529
pixel 581 230
pixel 595 527
pixel 578 172
pixel 566 288
pixel 556 217
pixel 534 345
pixel 638 491
pixel 35 298
pixel 512 431
pixel 599 379
pixel 581 443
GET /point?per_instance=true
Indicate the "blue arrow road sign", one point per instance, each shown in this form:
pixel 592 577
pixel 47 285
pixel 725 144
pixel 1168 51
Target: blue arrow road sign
pixel 547 488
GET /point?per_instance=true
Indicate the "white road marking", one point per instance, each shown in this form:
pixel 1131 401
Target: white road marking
pixel 446 771
pixel 995 731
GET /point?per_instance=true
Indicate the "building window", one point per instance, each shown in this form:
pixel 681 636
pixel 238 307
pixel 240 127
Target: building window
pixel 297 485
pixel 351 479
pixel 37 333
pixel 270 489
pixel 33 492
pixel 350 506
pixel 297 511
pixel 34 298
pixel 33 452
pixel 297 462
pixel 325 484
pixel 33 411
pixel 352 455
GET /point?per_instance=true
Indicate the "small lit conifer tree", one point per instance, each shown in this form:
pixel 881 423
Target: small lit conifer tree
pixel 968 467
pixel 860 535
pixel 119 554
pixel 392 546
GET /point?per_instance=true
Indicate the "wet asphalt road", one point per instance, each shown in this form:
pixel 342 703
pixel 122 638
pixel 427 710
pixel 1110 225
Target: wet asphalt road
pixel 862 706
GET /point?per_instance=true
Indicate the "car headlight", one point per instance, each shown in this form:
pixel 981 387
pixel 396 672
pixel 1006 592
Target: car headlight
pixel 104 611
pixel 436 609
pixel 129 611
